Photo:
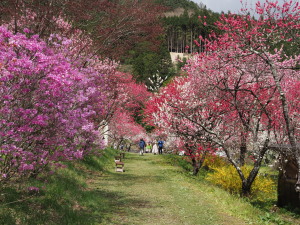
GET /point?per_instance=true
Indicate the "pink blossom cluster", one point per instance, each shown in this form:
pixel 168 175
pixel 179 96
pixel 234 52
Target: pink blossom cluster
pixel 49 103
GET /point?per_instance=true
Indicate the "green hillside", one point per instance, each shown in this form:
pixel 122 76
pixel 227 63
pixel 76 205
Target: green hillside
pixel 173 4
pixel 181 28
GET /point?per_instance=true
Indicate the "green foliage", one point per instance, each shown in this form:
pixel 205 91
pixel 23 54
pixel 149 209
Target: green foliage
pixel 173 4
pixel 228 178
pixel 176 160
pixel 181 63
pixel 183 29
pixel 62 198
pixel 147 61
pixel 269 218
pixel 139 118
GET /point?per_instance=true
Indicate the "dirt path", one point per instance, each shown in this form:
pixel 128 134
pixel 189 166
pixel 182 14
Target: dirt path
pixel 149 192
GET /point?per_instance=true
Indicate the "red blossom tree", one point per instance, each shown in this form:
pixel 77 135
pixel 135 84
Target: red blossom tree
pixel 274 40
pixel 125 99
pixel 236 92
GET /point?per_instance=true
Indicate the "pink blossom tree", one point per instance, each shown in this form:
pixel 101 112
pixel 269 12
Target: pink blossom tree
pixel 273 39
pixel 252 76
pixel 234 93
pixel 126 100
pixel 123 127
pixel 173 111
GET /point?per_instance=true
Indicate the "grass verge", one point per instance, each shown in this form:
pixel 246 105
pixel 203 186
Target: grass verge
pixel 63 198
pixel 260 211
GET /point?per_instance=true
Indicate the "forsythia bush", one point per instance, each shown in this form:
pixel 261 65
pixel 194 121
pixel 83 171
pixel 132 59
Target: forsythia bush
pixel 214 161
pixel 228 178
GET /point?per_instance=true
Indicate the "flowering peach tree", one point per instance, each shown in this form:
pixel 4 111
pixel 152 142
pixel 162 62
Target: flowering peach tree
pixel 240 94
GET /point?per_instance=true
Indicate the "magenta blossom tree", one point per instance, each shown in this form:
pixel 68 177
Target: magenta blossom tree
pixel 48 106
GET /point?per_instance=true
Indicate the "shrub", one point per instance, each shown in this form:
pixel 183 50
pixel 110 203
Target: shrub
pixel 49 104
pixel 214 161
pixel 228 178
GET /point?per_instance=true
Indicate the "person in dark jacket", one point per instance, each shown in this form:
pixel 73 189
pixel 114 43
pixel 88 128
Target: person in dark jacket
pixel 142 145
pixel 160 144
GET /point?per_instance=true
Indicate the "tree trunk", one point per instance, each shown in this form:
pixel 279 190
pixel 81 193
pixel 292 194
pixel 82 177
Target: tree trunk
pixel 129 147
pixel 195 167
pixel 243 150
pixel 246 189
pixel 288 120
pixel 191 40
pixel 247 183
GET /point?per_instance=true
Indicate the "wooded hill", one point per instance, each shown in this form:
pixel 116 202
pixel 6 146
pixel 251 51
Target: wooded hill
pixel 175 4
pixel 184 23
pixel 182 26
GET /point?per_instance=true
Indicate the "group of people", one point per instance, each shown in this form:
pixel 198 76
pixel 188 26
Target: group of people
pixel 157 148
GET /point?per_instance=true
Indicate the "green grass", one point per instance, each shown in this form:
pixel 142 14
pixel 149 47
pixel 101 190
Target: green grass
pixel 64 198
pixel 266 210
pixel 154 189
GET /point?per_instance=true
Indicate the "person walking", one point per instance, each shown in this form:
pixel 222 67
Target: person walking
pixel 160 144
pixel 155 149
pixel 148 147
pixel 142 144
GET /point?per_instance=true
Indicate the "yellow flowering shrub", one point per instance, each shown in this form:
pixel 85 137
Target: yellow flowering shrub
pixel 228 178
pixel 214 161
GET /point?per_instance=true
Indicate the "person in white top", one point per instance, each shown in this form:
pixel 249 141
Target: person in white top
pixel 155 149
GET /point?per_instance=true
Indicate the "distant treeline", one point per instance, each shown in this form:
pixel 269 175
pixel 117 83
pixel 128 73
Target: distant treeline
pixel 183 29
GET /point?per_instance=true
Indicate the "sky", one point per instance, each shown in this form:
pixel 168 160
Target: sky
pixel 225 5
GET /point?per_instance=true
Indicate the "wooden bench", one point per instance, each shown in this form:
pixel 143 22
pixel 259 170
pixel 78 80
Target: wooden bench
pixel 119 166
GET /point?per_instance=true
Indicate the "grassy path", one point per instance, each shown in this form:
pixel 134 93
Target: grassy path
pixel 150 192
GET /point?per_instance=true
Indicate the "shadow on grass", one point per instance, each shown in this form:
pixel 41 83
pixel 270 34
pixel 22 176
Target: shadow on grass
pixel 65 202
